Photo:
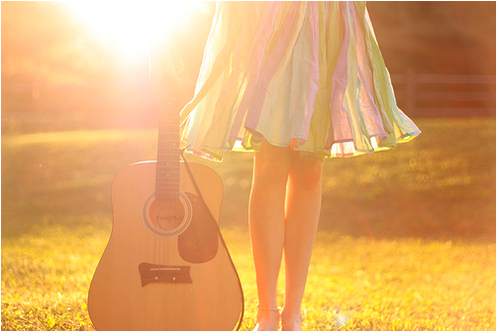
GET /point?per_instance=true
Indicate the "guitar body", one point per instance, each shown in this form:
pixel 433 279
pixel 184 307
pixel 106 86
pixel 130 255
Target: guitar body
pixel 165 268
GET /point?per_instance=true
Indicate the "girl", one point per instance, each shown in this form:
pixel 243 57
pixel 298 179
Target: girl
pixel 294 82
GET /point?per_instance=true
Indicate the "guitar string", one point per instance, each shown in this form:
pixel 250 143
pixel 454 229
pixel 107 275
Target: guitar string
pixel 168 145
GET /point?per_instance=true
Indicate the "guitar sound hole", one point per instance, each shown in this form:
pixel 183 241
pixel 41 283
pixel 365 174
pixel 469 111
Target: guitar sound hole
pixel 167 218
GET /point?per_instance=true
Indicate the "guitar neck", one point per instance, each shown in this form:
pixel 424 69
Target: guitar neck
pixel 167 167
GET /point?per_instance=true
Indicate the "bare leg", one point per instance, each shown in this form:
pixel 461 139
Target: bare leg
pixel 284 213
pixel 267 227
pixel 302 208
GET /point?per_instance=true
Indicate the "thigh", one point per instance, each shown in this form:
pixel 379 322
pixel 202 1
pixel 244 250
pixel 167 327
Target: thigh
pixel 272 163
pixel 304 171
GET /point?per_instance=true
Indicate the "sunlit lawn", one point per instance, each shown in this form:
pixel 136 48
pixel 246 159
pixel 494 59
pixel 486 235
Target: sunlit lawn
pixel 407 238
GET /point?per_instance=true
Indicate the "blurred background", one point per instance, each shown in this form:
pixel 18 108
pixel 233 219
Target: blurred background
pixel 77 107
pixel 82 65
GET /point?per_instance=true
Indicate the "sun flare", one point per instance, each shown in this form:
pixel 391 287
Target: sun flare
pixel 130 28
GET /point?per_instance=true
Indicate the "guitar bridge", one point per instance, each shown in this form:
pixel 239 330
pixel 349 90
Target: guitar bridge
pixel 151 273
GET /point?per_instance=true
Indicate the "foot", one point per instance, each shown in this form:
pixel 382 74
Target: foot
pixel 267 320
pixel 291 322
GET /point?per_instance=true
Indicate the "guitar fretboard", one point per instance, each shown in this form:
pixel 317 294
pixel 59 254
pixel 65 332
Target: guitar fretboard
pixel 167 167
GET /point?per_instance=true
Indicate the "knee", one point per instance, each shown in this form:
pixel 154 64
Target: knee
pixel 307 175
pixel 271 166
pixel 271 174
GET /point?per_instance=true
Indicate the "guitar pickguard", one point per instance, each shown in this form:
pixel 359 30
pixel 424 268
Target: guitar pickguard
pixel 200 242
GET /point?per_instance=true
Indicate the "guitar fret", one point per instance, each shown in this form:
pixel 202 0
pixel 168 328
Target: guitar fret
pixel 167 173
pixel 168 160
pixel 167 197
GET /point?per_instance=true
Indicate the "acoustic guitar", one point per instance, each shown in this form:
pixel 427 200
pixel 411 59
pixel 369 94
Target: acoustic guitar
pixel 166 265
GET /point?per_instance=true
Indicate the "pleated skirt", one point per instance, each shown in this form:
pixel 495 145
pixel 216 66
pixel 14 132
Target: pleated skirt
pixel 310 73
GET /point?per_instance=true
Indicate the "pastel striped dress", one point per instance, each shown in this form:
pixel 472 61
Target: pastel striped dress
pixel 309 71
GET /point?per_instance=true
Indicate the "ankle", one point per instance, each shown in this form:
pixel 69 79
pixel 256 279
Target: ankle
pixel 291 320
pixel 268 319
pixel 269 308
pixel 268 314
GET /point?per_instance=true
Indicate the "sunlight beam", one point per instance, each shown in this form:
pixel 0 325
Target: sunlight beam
pixel 130 28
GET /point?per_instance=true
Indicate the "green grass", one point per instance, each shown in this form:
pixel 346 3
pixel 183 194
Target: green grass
pixel 354 283
pixel 407 239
